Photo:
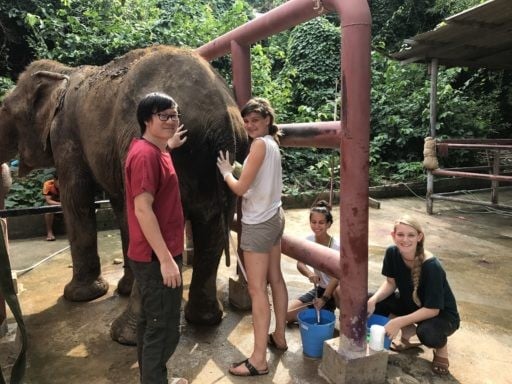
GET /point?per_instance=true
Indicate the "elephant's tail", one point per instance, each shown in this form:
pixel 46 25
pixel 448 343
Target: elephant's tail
pixel 237 145
pixel 226 222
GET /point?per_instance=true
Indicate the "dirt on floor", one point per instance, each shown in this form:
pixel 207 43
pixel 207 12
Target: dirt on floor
pixel 70 342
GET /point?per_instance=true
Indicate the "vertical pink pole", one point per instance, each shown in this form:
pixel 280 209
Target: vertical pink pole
pixel 355 137
pixel 241 65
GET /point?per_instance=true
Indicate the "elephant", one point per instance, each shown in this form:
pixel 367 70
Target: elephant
pixel 82 119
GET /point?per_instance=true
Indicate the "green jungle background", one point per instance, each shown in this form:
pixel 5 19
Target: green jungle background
pixel 296 70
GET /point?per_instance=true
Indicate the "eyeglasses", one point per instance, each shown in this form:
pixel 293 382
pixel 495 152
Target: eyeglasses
pixel 165 117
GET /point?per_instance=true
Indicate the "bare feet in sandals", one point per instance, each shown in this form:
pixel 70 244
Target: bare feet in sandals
pixel 440 364
pixel 245 368
pixel 271 342
pixel 403 345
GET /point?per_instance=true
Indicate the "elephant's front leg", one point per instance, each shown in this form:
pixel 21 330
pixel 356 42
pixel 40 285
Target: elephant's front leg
pixel 77 200
pixel 203 306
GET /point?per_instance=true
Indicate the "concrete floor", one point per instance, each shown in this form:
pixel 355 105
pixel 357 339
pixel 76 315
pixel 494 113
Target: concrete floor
pixel 70 342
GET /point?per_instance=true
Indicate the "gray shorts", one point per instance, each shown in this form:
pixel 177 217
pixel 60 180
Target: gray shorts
pixel 262 237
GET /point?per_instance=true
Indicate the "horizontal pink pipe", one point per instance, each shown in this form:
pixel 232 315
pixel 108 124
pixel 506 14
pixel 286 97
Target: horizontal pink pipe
pixel 471 175
pixel 318 135
pixel 279 19
pixel 317 256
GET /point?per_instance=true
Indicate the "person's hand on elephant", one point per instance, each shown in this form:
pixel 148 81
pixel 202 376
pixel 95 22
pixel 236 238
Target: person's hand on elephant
pixel 170 273
pixel 224 165
pixel 178 138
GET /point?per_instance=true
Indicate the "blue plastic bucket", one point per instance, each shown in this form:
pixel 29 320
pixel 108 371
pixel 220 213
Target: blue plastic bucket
pixel 314 334
pixel 380 320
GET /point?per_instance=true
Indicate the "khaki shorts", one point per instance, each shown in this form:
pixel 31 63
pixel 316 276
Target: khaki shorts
pixel 262 237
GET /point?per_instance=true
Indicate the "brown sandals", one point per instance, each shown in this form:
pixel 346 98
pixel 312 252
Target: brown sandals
pixel 403 345
pixel 251 370
pixel 440 364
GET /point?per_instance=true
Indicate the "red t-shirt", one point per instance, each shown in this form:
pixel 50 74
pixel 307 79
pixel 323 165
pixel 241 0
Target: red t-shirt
pixel 148 169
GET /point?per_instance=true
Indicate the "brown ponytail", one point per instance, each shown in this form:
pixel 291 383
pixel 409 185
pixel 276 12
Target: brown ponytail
pixel 262 106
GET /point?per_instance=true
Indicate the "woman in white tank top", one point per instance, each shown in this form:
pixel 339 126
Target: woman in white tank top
pixel 260 185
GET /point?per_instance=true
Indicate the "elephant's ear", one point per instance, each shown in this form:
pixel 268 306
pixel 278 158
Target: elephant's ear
pixel 51 89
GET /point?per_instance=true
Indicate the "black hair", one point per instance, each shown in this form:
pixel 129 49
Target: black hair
pixel 262 106
pixel 324 208
pixel 153 103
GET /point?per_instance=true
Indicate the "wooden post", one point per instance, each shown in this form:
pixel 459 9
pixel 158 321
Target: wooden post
pixel 433 121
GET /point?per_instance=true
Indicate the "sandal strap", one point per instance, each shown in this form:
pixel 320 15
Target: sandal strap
pixel 253 371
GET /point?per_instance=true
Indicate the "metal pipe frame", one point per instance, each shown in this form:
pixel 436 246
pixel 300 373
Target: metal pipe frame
pixel 354 141
pixel 471 175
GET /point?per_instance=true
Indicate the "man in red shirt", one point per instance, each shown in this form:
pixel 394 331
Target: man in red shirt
pixel 156 230
pixel 52 197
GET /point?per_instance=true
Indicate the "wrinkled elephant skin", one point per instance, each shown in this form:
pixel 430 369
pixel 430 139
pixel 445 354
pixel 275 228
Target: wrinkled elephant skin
pixel 81 120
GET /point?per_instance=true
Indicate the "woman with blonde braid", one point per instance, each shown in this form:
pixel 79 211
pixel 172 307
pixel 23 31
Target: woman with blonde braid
pixel 416 295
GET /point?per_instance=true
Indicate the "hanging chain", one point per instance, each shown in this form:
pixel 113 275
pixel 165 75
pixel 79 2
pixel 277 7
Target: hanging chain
pixel 318 6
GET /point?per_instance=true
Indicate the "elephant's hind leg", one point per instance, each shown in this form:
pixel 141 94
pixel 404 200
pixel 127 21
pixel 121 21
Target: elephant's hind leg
pixel 203 306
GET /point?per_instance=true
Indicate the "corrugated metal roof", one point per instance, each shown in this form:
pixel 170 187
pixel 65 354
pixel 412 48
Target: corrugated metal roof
pixel 478 37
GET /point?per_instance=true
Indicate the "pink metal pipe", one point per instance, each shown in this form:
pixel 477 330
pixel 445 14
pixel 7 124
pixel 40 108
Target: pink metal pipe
pixel 315 255
pixel 471 175
pixel 241 67
pixel 355 138
pixel 318 135
pixel 318 256
pixel 355 128
pixel 279 19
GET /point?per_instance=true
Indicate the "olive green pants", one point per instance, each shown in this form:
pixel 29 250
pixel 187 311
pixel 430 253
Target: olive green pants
pixel 158 327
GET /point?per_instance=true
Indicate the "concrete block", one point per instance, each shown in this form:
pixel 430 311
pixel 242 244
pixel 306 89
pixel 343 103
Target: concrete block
pixel 348 367
pixel 239 294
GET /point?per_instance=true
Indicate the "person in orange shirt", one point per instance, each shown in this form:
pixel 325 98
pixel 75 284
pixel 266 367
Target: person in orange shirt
pixel 52 197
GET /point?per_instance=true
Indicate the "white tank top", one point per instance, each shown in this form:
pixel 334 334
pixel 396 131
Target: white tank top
pixel 263 198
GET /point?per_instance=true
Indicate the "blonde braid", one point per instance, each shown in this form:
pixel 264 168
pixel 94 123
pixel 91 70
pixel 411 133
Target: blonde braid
pixel 419 256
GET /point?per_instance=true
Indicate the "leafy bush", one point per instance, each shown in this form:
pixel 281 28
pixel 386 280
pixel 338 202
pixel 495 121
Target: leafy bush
pixel 28 191
pixel 5 85
pixel 309 169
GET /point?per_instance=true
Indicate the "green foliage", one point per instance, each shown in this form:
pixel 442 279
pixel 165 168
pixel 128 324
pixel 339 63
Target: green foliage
pixel 28 191
pixel 96 31
pixel 401 120
pixel 91 31
pixel 265 5
pixel 313 64
pixel 5 85
pixel 309 169
pixel 396 20
pixel 268 80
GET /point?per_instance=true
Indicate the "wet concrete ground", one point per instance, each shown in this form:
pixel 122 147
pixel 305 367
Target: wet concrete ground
pixel 70 342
